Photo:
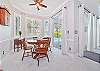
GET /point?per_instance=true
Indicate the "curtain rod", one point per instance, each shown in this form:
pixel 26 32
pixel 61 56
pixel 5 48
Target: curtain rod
pixel 84 8
pixel 56 13
pixel 61 10
pixel 87 10
pixel 90 12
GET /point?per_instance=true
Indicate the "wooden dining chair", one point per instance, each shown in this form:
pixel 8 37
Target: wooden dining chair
pixel 48 38
pixel 41 50
pixel 22 42
pixel 17 44
pixel 27 50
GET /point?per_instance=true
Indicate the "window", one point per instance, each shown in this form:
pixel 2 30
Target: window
pixel 33 27
pixel 17 24
pixel 57 21
pixel 46 28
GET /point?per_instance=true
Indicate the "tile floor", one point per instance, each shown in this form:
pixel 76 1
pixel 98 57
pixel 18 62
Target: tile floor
pixel 58 62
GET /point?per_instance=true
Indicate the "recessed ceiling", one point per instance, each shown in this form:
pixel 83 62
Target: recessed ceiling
pixel 24 6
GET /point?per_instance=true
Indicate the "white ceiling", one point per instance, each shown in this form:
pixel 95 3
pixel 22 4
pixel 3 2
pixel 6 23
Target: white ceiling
pixel 24 6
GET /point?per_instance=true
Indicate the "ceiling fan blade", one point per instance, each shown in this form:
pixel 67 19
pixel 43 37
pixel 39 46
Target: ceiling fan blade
pixel 32 4
pixel 39 1
pixel 43 5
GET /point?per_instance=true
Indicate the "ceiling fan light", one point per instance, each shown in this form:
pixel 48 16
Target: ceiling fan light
pixel 37 5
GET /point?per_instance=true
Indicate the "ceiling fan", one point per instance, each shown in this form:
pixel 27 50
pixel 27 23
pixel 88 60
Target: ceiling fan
pixel 39 4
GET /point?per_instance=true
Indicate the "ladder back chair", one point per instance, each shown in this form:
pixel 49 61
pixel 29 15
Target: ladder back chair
pixel 48 38
pixel 17 44
pixel 41 50
pixel 27 50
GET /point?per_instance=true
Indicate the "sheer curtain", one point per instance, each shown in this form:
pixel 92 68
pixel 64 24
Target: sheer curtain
pixel 98 34
pixel 88 27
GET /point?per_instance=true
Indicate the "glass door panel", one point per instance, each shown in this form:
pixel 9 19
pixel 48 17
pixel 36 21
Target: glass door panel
pixel 57 21
pixel 87 30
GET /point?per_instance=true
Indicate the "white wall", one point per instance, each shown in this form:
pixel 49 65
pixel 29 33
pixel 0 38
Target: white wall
pixel 6 34
pixel 70 28
pixel 75 25
pixel 5 38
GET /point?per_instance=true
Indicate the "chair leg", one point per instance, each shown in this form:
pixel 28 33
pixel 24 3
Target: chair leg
pixel 50 50
pixel 21 46
pixel 47 58
pixel 23 55
pixel 35 56
pixel 38 61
